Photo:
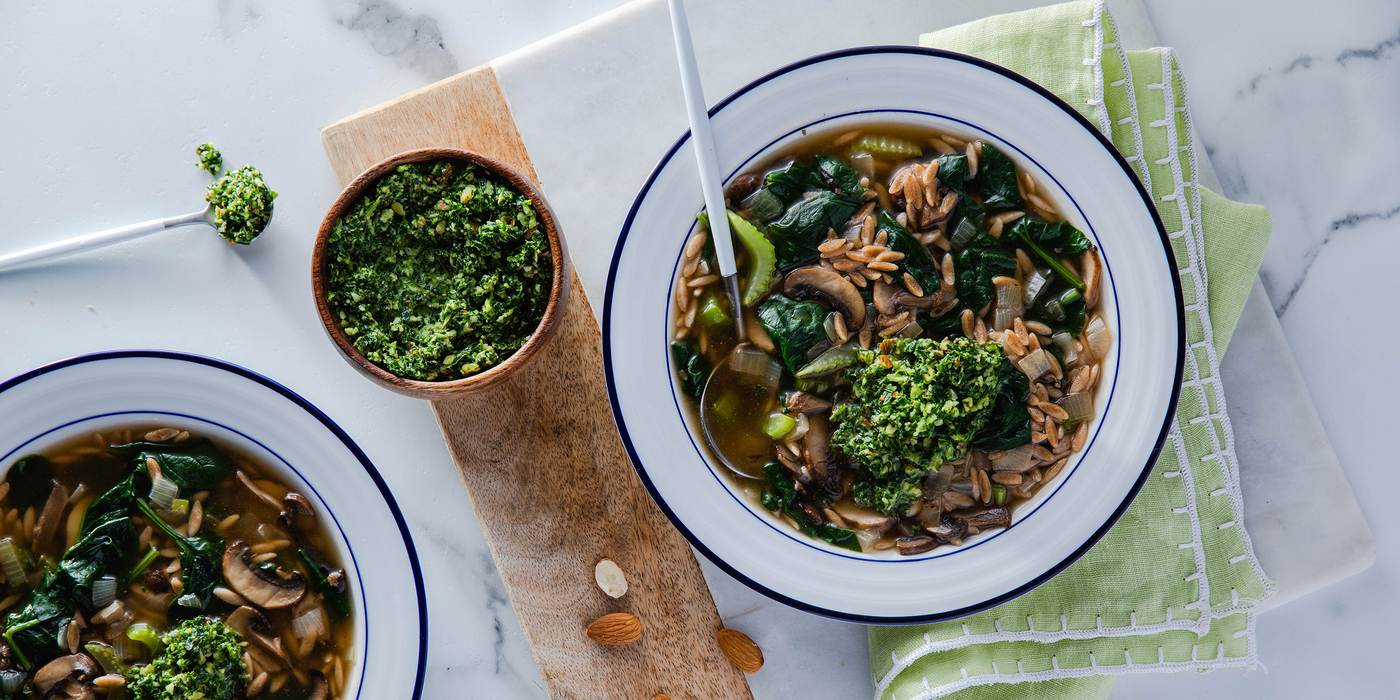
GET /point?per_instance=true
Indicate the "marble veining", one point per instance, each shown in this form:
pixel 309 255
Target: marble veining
pixel 1326 103
pixel 413 41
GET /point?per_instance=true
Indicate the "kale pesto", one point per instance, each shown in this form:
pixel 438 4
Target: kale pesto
pixel 439 271
pixel 242 202
pixel 210 159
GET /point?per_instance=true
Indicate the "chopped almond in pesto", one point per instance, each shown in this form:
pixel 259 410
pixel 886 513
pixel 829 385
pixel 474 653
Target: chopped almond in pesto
pixel 439 271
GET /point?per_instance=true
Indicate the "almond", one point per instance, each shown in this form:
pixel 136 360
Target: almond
pixel 741 650
pixel 661 696
pixel 609 577
pixel 616 628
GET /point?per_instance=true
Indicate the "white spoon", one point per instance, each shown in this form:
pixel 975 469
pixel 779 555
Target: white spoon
pixel 105 238
pixel 710 183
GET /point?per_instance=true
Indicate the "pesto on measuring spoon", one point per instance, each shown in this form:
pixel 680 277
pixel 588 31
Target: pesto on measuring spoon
pixel 239 208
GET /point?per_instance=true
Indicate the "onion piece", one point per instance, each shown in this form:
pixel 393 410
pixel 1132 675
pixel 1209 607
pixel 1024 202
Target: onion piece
pixel 163 492
pixel 1009 295
pixel 1035 284
pixel 11 681
pixel 104 591
pixel 1003 319
pixel 798 431
pixel 1064 342
pixel 1019 460
pixel 757 364
pixel 9 558
pixel 829 325
pixel 863 163
pixel 1036 364
pixel 912 330
pixel 310 623
pixel 963 233
pixel 1079 406
pixel 764 205
pixel 1098 336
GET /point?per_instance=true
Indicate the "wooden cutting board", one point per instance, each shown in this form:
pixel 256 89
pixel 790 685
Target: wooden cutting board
pixel 543 464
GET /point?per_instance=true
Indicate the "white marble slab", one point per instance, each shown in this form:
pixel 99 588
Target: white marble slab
pixel 101 107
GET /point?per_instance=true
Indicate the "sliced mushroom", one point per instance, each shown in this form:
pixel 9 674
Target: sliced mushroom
pixel 948 530
pixel 270 589
pixel 893 299
pixel 863 517
pixel 803 402
pixel 67 676
pixel 991 517
pixel 816 449
pixel 49 520
pixel 297 513
pixel 320 690
pixel 262 495
pixel 741 187
pixel 828 287
pixel 295 509
pixel 915 545
pixel 264 648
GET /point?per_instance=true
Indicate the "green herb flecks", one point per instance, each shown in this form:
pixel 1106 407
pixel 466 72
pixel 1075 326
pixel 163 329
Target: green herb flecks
pixel 913 407
pixel 203 658
pixel 210 159
pixel 439 271
pixel 242 204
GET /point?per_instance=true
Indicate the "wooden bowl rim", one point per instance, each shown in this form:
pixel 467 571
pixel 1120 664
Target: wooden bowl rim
pixel 455 388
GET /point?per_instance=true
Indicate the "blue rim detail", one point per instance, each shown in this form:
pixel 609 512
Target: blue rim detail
pixel 304 405
pixel 1152 456
pixel 831 549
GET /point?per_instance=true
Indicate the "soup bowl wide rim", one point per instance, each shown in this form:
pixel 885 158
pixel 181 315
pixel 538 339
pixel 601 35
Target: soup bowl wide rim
pixel 237 406
pixel 774 564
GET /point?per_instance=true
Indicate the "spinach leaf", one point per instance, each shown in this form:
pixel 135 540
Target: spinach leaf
pixel 33 631
pixel 1065 308
pixel 1009 424
pixel 917 259
pixel 975 269
pixel 952 171
pixel 30 479
pixel 790 182
pixel 1049 241
pixel 119 500
pixel 780 490
pixel 694 368
pixel 779 496
pixel 999 188
pixel 336 605
pixel 794 327
pixel 795 237
pixel 194 464
pixel 200 557
pixel 839 176
pixel 1058 237
pixel 106 547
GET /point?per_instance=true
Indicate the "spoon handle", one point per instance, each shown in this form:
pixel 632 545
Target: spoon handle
pixel 96 240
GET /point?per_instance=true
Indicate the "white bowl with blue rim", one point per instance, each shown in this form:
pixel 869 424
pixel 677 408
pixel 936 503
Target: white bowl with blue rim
pixel 1087 180
pixel 235 406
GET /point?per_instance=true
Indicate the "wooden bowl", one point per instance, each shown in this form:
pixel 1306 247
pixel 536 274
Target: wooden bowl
pixel 456 388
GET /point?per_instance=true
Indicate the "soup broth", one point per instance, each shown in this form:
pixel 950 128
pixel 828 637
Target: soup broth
pixel 924 337
pixel 95 585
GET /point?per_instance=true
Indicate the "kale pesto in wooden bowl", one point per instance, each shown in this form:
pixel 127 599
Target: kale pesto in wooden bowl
pixel 439 273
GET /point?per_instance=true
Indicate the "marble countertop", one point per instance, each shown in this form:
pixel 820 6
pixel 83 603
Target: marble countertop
pixel 103 108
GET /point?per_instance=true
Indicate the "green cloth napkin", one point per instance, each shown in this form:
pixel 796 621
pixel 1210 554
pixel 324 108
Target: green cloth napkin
pixel 1174 584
